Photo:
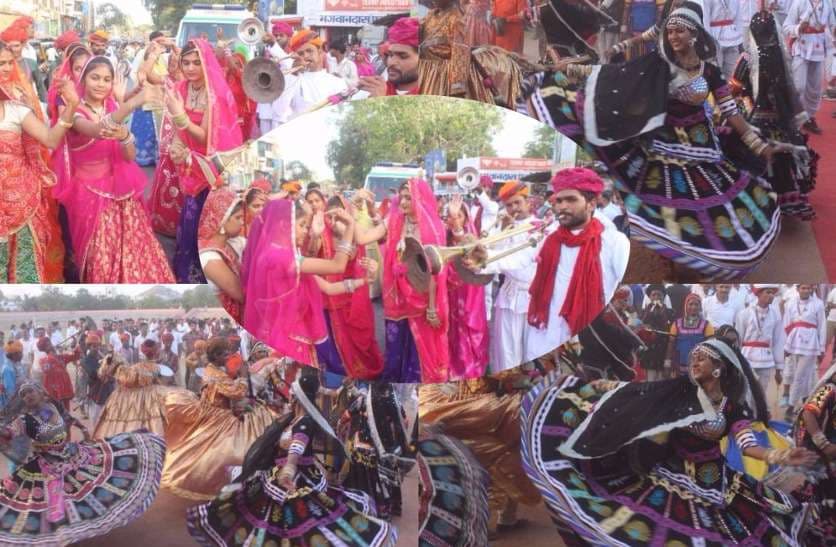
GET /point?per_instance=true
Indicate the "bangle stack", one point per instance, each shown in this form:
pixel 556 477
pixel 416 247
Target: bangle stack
pixel 820 440
pixel 181 121
pixel 577 72
pixel 129 140
pixel 349 285
pixel 777 456
pixel 753 141
pixel 65 124
pixel 345 247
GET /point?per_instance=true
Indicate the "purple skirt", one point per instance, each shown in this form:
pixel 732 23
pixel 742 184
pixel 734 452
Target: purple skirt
pixel 327 352
pixel 400 361
pixel 187 267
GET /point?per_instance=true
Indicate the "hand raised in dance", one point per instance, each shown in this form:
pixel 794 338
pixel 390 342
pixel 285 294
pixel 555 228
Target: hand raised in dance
pixel 68 93
pixel 454 208
pixel 318 224
pixel 371 267
pixel 342 214
pixel 120 87
pixel 375 85
pixel 801 457
pixel 174 102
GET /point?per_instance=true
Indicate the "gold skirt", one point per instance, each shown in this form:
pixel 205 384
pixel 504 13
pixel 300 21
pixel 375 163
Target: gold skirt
pixel 129 409
pixel 434 79
pixel 488 424
pixel 203 442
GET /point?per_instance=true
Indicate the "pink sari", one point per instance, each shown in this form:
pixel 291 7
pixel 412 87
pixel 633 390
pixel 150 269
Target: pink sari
pixel 402 301
pixel 109 226
pixel 283 307
pixel 468 324
pixel 171 182
pixel 364 67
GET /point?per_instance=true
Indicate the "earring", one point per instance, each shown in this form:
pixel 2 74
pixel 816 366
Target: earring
pixel 222 231
pixel 716 372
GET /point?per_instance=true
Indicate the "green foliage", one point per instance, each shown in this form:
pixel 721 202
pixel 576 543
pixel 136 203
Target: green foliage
pixel 294 167
pixel 404 129
pixel 110 16
pixel 201 296
pixel 542 146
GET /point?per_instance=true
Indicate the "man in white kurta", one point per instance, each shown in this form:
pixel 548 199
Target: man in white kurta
pixel 313 85
pixel 724 23
pixel 809 26
pixel 509 329
pixel 720 308
pixel 806 330
pixel 761 333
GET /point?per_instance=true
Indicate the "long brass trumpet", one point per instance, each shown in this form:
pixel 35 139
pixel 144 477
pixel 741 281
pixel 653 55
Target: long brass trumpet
pixel 424 261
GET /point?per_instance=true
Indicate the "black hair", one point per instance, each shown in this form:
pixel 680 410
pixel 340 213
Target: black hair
pixel 589 196
pixel 314 191
pixel 154 35
pixel 339 46
pixel 96 62
pixel 191 47
pixel 334 202
pixel 733 384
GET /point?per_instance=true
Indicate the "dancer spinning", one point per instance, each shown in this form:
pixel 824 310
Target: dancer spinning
pixel 595 452
pixel 284 496
pixel 58 482
pixel 647 121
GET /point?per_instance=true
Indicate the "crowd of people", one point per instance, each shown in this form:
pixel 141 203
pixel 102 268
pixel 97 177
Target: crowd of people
pixel 299 270
pixel 241 424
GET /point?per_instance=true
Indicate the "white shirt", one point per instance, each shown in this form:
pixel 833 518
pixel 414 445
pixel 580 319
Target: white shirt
pixel 756 324
pixel 56 337
pixel 115 341
pixel 71 331
pixel 612 211
pixel 347 70
pixel 490 208
pixel 310 88
pixel 265 110
pixel 810 47
pixel 803 340
pixel 831 299
pixel 519 269
pixel 28 350
pixel 722 21
pixel 721 313
pixel 615 253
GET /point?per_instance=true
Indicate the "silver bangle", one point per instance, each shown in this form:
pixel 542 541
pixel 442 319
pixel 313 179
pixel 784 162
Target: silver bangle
pixel 127 141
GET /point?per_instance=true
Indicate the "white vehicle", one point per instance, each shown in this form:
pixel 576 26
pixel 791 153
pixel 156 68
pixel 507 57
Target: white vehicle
pixel 387 176
pixel 204 20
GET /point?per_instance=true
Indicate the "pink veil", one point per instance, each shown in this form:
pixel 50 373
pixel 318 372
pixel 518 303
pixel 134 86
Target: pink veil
pixel 65 70
pixel 401 300
pixel 117 178
pixel 283 307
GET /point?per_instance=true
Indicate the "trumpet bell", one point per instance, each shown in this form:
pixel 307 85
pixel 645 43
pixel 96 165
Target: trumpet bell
pixel 250 31
pixel 468 178
pixel 263 80
pixel 419 270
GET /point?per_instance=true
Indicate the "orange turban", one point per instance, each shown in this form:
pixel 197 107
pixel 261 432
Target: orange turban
pixel 304 37
pixel 13 346
pixel 233 364
pixel 292 186
pixel 200 345
pixel 93 338
pixel 14 33
pixel 512 188
pixel 100 37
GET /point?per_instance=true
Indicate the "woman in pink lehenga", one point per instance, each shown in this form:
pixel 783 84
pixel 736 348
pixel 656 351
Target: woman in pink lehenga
pixel 283 303
pixel 477 28
pixel 201 119
pixel 417 349
pixel 101 188
pixel 363 62
pixel 468 317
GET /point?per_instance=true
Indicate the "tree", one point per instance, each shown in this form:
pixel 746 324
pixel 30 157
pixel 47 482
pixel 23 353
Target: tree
pixel 542 146
pixel 110 16
pixel 201 296
pixel 298 170
pixel 404 129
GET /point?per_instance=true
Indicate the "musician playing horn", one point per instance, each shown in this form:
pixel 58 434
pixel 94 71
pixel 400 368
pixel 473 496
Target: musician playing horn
pixel 312 85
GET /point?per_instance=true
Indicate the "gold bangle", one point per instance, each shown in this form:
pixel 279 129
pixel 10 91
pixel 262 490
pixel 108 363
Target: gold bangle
pixel 65 124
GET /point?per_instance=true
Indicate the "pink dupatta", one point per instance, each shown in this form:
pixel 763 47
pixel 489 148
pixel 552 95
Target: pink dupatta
pixel 401 300
pixel 282 306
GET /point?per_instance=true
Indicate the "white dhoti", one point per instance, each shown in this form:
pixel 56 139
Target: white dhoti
pixel 727 57
pixel 800 375
pixel 764 376
pixel 807 76
pixel 508 340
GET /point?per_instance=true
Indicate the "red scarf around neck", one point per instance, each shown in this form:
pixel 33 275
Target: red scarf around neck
pixel 584 297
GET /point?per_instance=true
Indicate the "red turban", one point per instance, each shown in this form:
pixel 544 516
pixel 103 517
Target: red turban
pixel 43 343
pixel 304 37
pixel 280 27
pixel 14 33
pixel 577 178
pixel 404 32
pixel 234 338
pixel 93 338
pixel 511 189
pixel 485 181
pixel 233 364
pixel 69 37
pixel 262 184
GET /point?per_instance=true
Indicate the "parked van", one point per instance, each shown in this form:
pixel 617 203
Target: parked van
pixel 206 18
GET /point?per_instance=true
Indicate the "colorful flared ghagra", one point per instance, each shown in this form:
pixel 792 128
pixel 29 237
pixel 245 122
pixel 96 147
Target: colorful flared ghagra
pixel 64 492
